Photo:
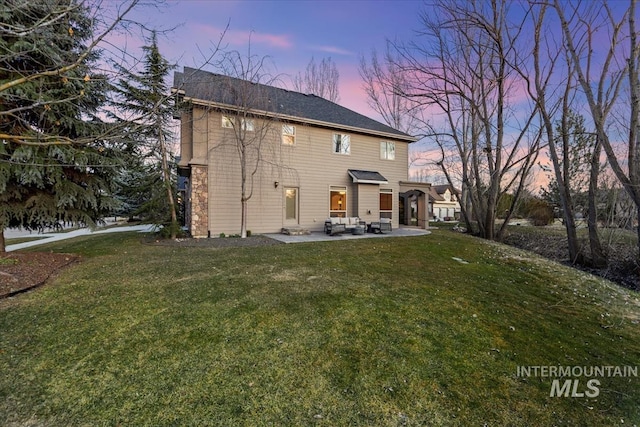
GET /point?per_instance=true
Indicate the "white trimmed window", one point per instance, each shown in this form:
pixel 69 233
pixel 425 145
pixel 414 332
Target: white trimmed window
pixel 247 124
pixel 341 143
pixel 288 135
pixel 229 123
pixel 338 202
pixel 387 150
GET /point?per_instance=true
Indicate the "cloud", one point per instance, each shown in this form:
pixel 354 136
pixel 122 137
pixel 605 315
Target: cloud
pixel 332 49
pixel 235 37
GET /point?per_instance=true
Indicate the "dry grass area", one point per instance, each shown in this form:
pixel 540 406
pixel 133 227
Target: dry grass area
pixel 551 242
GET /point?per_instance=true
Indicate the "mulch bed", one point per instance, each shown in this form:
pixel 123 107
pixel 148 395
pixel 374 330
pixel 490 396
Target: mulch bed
pixel 20 272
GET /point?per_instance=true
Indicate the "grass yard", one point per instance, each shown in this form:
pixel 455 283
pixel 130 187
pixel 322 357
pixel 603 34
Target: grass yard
pixel 373 332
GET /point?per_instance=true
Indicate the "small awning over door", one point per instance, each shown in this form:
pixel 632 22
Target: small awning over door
pixel 367 177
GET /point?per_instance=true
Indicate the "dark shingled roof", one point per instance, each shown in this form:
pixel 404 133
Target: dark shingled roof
pixel 210 87
pixel 441 189
pixel 434 196
pixel 367 176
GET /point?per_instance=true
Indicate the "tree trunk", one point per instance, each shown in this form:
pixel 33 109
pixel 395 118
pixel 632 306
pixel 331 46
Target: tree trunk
pixel 167 183
pixel 598 258
pixel 490 214
pixel 638 235
pixel 3 248
pixel 564 190
pixel 464 208
pixel 489 223
pixel 461 197
pixel 243 224
pixel 243 195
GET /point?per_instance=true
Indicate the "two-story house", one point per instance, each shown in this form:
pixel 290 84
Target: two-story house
pixel 299 158
pixel 444 203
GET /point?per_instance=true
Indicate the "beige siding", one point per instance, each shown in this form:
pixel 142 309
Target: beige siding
pixel 200 136
pixel 186 138
pixel 310 165
pixel 369 202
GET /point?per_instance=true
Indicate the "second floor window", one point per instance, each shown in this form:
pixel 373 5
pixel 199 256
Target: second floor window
pixel 341 143
pixel 229 122
pixel 288 134
pixel 387 150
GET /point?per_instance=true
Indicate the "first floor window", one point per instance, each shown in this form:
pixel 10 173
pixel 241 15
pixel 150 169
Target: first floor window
pixel 291 203
pixel 288 134
pixel 387 150
pixel 338 201
pixel 341 143
pixel 386 203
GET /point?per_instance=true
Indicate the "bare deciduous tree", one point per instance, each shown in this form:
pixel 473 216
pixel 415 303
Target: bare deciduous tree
pixel 546 55
pixel 604 81
pixel 385 84
pixel 319 79
pixel 463 71
pixel 252 120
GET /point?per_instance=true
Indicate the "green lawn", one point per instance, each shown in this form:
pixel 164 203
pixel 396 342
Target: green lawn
pixel 373 332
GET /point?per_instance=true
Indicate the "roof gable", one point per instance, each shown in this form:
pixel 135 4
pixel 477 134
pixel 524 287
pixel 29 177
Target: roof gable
pixel 441 189
pixel 197 85
pixel 434 196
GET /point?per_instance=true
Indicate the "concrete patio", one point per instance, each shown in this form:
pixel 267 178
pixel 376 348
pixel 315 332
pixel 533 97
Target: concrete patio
pixel 318 236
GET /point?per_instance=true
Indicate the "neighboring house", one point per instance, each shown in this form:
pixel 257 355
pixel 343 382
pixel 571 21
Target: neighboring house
pixel 444 205
pixel 315 160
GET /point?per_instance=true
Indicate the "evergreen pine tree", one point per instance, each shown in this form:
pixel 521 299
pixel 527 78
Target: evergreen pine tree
pixel 145 96
pixel 52 167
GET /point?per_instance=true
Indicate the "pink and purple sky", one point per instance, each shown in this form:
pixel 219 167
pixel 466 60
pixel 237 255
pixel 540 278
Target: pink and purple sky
pixel 289 32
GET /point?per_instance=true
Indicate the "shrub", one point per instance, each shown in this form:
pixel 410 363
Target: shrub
pixel 539 212
pixel 165 231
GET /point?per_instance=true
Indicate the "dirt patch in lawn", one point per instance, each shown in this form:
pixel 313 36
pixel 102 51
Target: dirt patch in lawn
pixel 215 242
pixel 20 272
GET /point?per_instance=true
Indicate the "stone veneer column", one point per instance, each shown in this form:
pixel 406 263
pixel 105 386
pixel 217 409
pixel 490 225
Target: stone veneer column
pixel 199 224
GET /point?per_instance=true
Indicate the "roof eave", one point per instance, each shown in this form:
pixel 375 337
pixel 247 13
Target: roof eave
pixel 369 181
pixel 201 102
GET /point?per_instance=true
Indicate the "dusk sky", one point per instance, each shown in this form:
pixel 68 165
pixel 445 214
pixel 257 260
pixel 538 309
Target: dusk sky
pixel 289 32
